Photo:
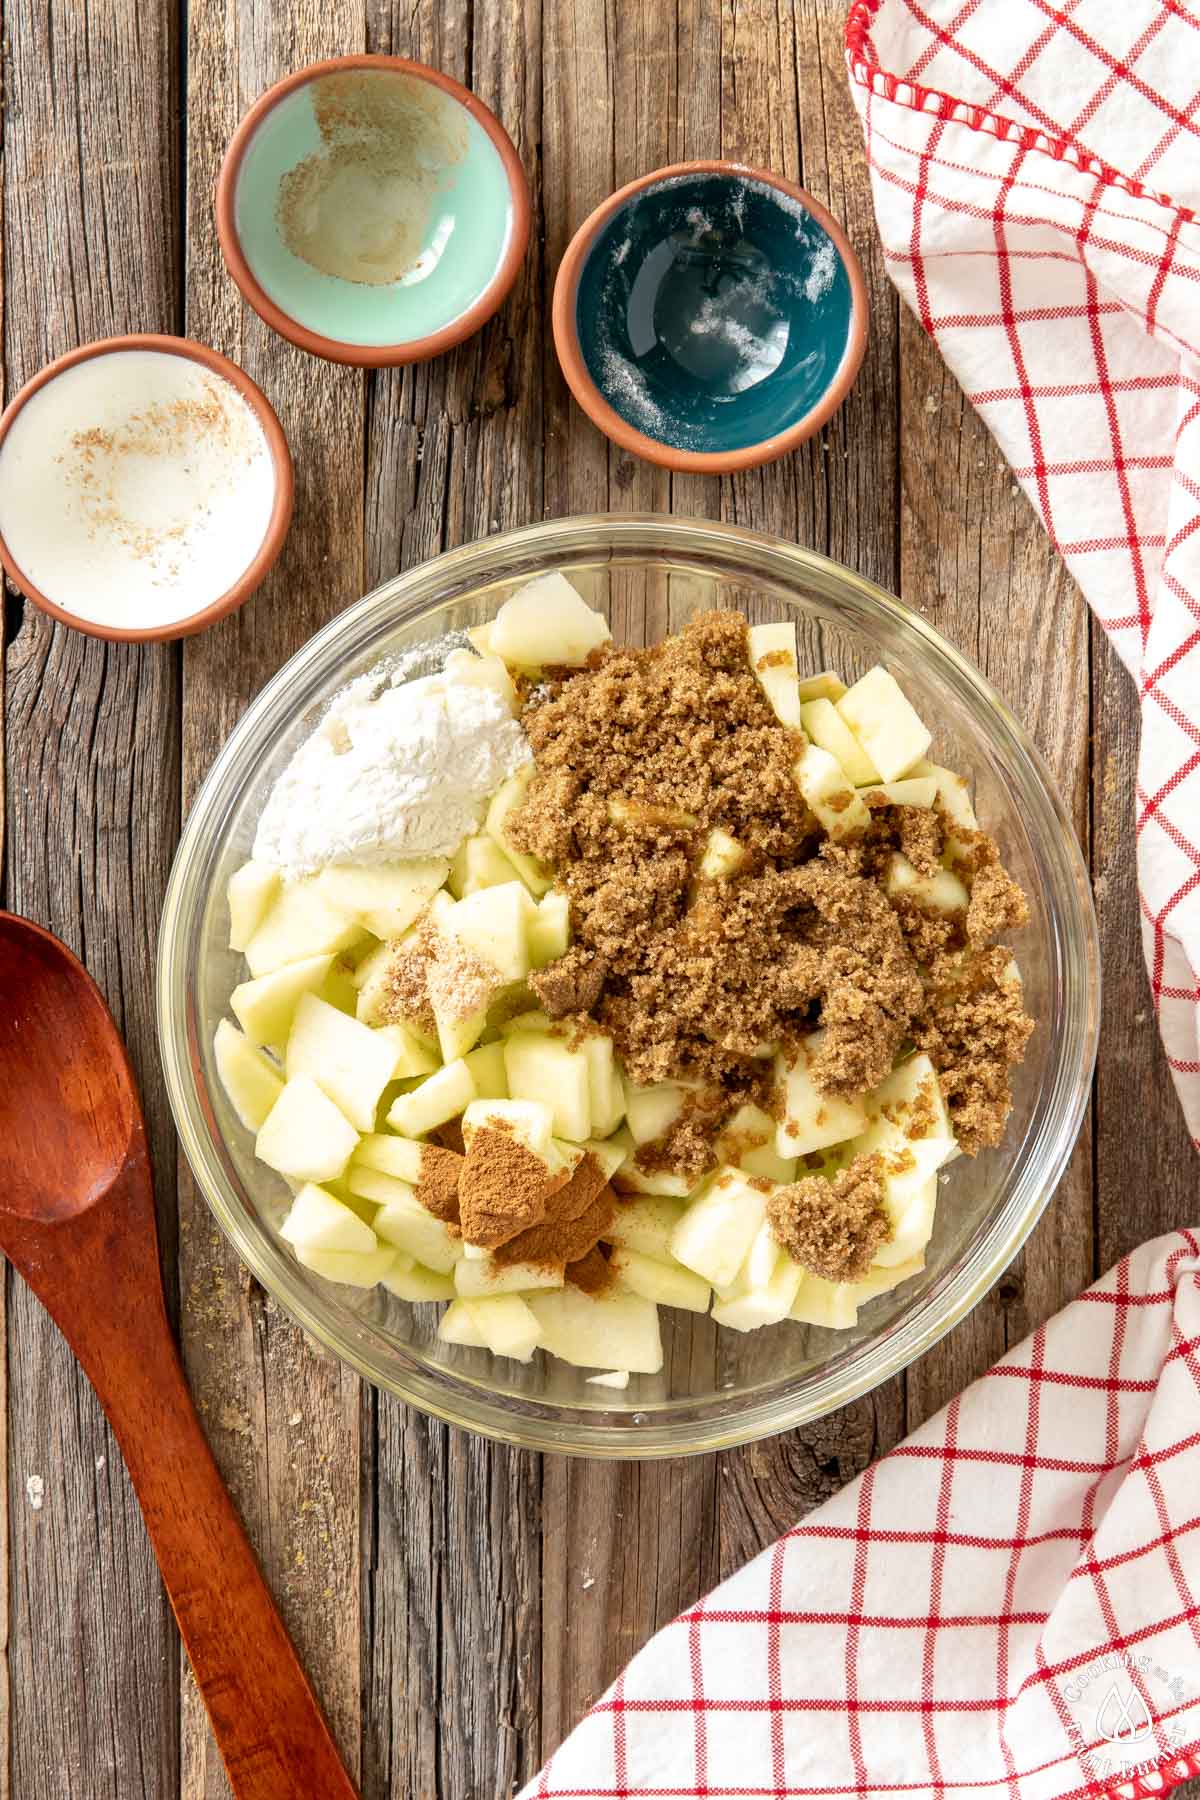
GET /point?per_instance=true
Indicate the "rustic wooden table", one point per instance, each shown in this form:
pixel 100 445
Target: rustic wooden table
pixel 458 1604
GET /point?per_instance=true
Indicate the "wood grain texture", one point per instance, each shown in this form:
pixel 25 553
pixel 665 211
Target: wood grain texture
pixel 92 801
pixel 457 1604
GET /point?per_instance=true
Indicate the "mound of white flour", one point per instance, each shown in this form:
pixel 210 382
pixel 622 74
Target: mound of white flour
pixel 391 772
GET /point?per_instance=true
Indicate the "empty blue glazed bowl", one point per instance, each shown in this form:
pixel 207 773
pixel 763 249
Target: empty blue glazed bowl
pixel 710 317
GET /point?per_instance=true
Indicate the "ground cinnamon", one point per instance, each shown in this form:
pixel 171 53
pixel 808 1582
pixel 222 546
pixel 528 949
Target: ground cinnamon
pixel 503 1186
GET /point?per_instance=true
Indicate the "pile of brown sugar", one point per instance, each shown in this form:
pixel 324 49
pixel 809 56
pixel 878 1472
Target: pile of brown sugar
pixel 833 1227
pixel 699 980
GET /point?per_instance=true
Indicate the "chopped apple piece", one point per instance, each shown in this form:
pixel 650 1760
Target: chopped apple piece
pixel 348 1061
pixel 492 923
pixel 508 797
pixel 480 636
pixel 824 686
pixel 810 1119
pixel 765 1288
pixel 458 1032
pixel 338 988
pixel 954 799
pixel 911 1203
pixel 440 1097
pixel 549 930
pixel 666 1283
pixel 885 722
pixel 664 1183
pixel 547 1069
pixel 824 725
pixel 651 1111
pixel 646 1225
pixel 606 1091
pixel 914 790
pixel 479 862
pixel 305 1135
pixel 466 670
pixel 396 1156
pixel 418 1284
pixel 353 1268
pixel 547 624
pixel 530 1122
pixel 940 893
pixel 251 894
pixel 316 1221
pixel 608 1153
pixel 477 1277
pixel 615 1378
pixel 456 1326
pixel 723 856
pixel 412 1056
pixel 715 1233
pixel 408 1226
pixel 644 812
pixel 910 1099
pixel 487 1071
pixel 596 1331
pixel 252 1083
pixel 533 1020
pixel 385 897
pixel 265 1008
pixel 882 1281
pixel 773 658
pixel 301 924
pixel 833 1304
pixel 829 793
pixel 506 1325
pixel 748 1143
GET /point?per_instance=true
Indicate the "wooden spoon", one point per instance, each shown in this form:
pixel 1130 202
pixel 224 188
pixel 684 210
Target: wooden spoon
pixel 77 1220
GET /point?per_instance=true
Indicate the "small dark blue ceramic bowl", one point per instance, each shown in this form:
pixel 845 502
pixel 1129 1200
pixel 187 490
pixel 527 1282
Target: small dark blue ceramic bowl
pixel 710 317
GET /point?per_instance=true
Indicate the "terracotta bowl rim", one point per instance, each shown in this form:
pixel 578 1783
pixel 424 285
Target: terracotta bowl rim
pixel 281 461
pixel 610 422
pixel 373 356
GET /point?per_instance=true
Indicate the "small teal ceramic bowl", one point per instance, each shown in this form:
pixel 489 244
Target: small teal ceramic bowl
pixel 372 210
pixel 710 317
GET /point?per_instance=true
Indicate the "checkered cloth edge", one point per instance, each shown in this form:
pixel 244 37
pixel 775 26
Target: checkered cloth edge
pixel 1036 177
pixel 1007 1607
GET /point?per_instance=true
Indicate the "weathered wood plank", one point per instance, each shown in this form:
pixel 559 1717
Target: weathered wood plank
pixel 451 1576
pixel 284 1421
pixel 92 808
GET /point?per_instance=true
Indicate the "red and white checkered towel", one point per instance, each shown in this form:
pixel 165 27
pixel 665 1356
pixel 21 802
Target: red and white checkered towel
pixel 1005 1608
pixel 1036 175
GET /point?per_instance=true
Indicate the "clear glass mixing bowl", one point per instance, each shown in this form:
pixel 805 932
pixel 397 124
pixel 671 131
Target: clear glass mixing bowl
pixel 717 1387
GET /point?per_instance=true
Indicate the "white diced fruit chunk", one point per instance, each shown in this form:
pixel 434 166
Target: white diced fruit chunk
pixel 413 1058
pixel 811 1120
pixel 773 659
pixel 914 790
pixel 477 1277
pixel 417 1284
pixel 824 725
pixel 823 686
pixel 954 798
pixel 318 1221
pixel 530 1122
pixel 606 1091
pixel 549 929
pixel 608 1153
pixel 478 862
pixel 507 798
pixel 405 1224
pixel 299 925
pixel 353 1268
pixel 615 1378
pixel 596 1331
pixel 885 722
pixel 385 897
pixel 348 1061
pixel 395 1156
pixel 748 1142
pixel 251 1082
pixel 666 1283
pixel 456 1326
pixel 941 893
pixel 910 1099
pixel 304 1135
pixel 651 1111
pixel 487 1071
pixel 265 1008
pixel 506 1325
pixel 646 1225
pixel 829 793
pixel 440 1097
pixel 468 670
pixel 910 1201
pixel 765 1288
pixel 833 1304
pixel 545 1068
pixel 882 1281
pixel 492 923
pixel 715 1233
pixel 547 623
pixel 723 856
pixel 251 893
pixel 630 1179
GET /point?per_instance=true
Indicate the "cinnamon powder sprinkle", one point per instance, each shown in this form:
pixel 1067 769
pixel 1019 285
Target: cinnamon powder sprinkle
pixel 503 1187
pixel 437 1182
pixel 637 758
pixel 575 1217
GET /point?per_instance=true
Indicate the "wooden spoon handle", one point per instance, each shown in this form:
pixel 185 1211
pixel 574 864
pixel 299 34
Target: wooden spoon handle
pixel 265 1716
